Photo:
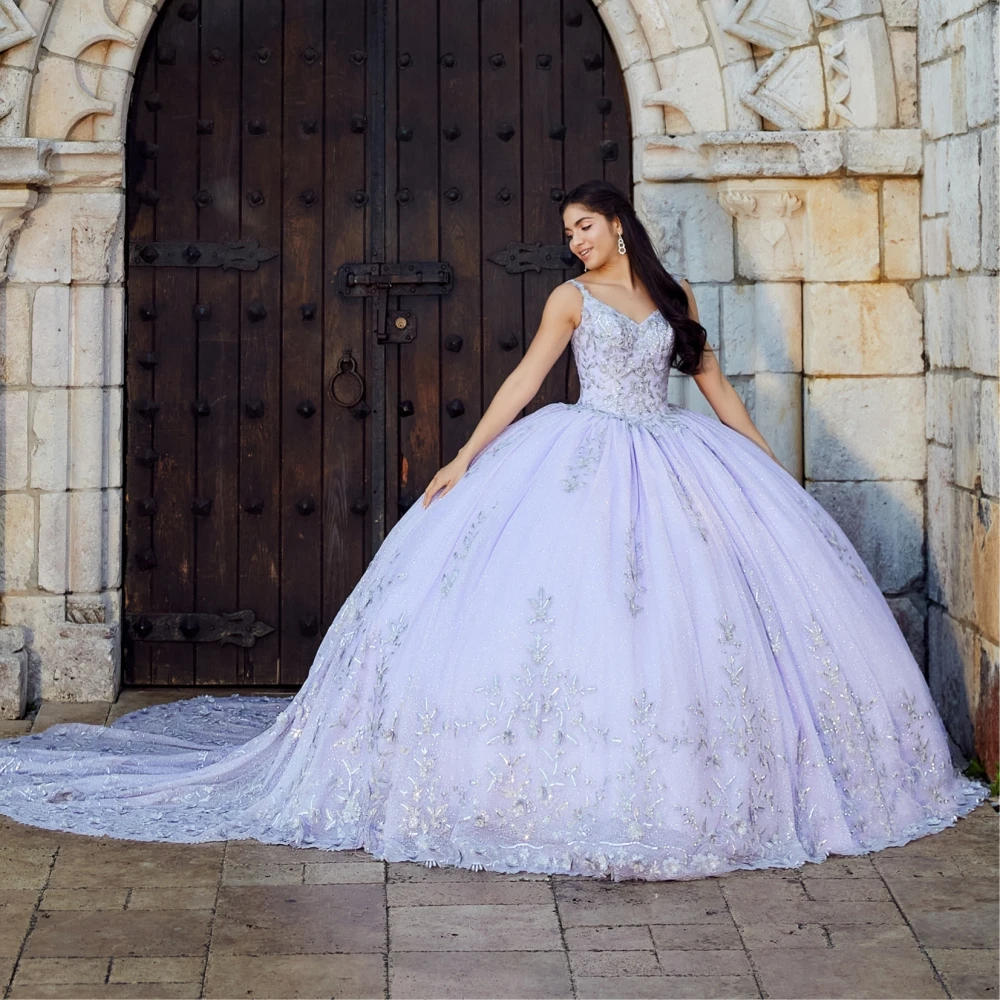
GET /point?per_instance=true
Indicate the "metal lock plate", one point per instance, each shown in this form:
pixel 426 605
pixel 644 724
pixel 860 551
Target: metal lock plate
pixel 401 327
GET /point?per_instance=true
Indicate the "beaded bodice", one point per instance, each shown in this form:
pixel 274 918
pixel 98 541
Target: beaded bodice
pixel 622 364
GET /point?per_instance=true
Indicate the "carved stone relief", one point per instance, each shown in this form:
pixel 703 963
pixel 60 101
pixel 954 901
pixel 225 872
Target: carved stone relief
pixel 770 230
pixel 771 24
pixel 91 249
pixel 78 24
pixel 14 26
pixel 15 203
pixel 788 89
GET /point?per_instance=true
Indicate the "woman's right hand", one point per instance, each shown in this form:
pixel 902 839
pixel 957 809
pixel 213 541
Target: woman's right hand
pixel 445 478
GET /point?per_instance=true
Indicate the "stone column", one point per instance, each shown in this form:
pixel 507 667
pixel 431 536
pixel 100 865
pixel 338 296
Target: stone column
pixel 61 314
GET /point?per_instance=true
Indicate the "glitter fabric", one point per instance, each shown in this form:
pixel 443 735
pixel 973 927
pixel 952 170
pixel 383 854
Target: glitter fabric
pixel 626 644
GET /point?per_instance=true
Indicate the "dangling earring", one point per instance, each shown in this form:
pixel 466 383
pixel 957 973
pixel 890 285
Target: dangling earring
pixel 621 244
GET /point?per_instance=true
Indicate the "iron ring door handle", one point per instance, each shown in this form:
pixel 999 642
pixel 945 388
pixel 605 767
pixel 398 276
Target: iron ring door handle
pixel 348 367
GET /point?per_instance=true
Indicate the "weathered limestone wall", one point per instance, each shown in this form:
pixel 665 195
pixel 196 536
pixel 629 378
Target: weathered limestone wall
pixel 805 285
pixel 779 159
pixel 958 56
pixel 61 341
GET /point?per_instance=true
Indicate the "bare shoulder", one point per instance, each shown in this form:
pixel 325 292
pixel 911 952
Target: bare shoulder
pixel 689 292
pixel 568 289
pixel 565 301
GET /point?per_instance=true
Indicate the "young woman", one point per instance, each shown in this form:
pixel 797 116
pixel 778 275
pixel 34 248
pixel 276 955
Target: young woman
pixel 616 639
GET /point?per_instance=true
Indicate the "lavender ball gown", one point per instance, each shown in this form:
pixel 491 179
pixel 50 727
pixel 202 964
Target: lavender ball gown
pixel 627 643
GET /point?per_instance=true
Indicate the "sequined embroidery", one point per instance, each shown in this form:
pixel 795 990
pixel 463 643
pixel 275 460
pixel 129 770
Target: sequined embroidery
pixel 542 704
pixel 633 570
pixel 832 532
pixel 854 730
pixel 770 619
pixel 507 438
pixel 623 365
pixel 586 457
pixel 459 554
pixel 691 507
pixel 667 419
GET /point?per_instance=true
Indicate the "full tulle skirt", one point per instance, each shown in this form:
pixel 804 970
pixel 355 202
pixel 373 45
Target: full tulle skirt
pixel 618 647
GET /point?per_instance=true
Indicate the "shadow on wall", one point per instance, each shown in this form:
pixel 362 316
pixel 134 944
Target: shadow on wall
pixel 963 673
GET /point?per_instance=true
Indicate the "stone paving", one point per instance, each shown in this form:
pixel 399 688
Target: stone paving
pixel 96 917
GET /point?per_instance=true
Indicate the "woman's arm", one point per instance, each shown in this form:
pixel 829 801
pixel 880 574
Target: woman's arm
pixel 560 317
pixel 718 390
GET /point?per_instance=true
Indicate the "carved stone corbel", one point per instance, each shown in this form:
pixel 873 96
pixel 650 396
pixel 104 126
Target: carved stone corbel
pixel 15 203
pixel 91 248
pixel 770 226
pixel 22 166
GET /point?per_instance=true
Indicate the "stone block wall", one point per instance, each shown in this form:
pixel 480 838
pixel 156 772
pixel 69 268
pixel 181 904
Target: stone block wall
pixel 957 53
pixel 61 344
pixel 806 286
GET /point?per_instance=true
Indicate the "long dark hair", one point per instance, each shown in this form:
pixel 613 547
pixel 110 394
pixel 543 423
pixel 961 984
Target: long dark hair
pixel 689 335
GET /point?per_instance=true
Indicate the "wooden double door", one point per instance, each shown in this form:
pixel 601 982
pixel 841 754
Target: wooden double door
pixel 343 224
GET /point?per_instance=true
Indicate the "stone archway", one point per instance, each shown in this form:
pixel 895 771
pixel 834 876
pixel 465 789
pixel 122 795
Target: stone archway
pixel 66 67
pixel 755 141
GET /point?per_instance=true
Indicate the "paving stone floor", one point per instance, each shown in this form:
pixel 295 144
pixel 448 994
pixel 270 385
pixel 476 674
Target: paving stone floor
pixel 96 917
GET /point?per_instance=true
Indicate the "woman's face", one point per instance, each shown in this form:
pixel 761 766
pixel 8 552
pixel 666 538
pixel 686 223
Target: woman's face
pixel 591 236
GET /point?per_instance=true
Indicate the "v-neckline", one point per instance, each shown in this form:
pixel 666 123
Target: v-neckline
pixel 634 322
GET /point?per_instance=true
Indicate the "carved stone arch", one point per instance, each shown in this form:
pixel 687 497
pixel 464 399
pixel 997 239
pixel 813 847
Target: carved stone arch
pixel 689 67
pixel 806 64
pixel 713 89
